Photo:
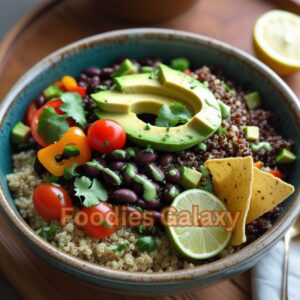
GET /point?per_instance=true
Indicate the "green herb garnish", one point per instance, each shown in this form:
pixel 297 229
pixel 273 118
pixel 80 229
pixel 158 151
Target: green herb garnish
pixel 70 173
pixel 119 248
pixel 52 126
pixel 47 232
pixel 169 116
pixel 73 106
pixel 92 191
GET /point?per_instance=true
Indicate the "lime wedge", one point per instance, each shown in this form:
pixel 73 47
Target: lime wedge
pixel 196 241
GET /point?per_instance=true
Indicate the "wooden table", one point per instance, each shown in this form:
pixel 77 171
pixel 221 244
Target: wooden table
pixel 57 23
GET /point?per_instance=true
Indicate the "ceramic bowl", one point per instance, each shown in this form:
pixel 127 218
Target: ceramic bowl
pixel 102 50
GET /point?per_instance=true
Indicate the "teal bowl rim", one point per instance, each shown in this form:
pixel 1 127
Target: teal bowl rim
pixel 216 268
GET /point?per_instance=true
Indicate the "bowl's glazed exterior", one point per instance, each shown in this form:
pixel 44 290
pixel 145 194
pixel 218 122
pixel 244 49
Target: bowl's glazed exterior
pixel 103 50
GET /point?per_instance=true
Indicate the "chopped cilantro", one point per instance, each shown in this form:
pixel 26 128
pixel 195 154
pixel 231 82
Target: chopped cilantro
pixel 70 173
pixel 47 232
pixel 169 116
pixel 73 107
pixel 91 191
pixel 149 149
pixel 148 126
pixel 52 126
pixel 146 243
pixel 120 247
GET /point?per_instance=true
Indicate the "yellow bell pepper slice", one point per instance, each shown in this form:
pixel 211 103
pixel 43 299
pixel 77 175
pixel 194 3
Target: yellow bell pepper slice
pixel 74 136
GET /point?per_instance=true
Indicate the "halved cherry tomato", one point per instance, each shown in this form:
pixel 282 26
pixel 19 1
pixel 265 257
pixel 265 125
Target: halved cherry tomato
pixel 106 135
pixel 49 201
pixel 30 113
pixel 276 173
pixel 98 221
pixel 35 121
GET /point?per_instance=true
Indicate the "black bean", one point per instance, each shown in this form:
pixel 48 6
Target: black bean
pixel 154 172
pixel 169 192
pixel 95 80
pixel 108 83
pixel 92 71
pixel 90 171
pixel 106 73
pixel 92 118
pixel 126 178
pixel 145 157
pixel 116 165
pixel 111 177
pixel 40 101
pixel 157 217
pixel 118 155
pixel 124 196
pixel 101 160
pixel 173 175
pixel 165 160
pixel 151 205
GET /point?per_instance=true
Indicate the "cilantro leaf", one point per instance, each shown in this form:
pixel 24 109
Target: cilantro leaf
pixel 51 178
pixel 69 173
pixel 120 247
pixel 91 191
pixel 73 107
pixel 52 126
pixel 169 116
pixel 48 232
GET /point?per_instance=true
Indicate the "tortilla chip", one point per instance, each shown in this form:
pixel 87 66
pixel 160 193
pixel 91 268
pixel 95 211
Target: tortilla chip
pixel 232 181
pixel 267 192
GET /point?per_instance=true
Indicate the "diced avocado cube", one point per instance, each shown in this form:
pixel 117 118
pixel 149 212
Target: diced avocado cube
pixel 52 91
pixel 253 100
pixel 180 63
pixel 251 133
pixel 20 133
pixel 225 109
pixel 127 67
pixel 202 147
pixel 71 151
pixel 189 177
pixel 285 156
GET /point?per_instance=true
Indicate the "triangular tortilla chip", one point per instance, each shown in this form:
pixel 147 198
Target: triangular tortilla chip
pixel 267 192
pixel 232 181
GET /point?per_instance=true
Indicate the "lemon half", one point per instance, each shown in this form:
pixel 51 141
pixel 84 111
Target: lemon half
pixel 276 38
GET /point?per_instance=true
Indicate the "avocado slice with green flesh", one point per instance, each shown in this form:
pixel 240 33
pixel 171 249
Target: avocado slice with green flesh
pixel 126 67
pixel 146 93
pixel 20 133
pixel 285 156
pixel 189 177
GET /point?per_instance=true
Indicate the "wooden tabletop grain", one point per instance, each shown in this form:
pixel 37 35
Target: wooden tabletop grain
pixel 57 23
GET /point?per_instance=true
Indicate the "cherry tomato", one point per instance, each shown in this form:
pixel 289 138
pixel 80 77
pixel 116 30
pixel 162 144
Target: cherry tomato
pixel 30 113
pixel 98 221
pixel 35 120
pixel 106 136
pixel 49 199
pixel 276 173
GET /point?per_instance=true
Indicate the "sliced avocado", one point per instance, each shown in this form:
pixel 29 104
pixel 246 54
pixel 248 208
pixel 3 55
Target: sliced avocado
pixel 253 100
pixel 127 67
pixel 146 93
pixel 189 177
pixel 285 156
pixel 225 109
pixel 20 133
pixel 146 69
pixel 251 133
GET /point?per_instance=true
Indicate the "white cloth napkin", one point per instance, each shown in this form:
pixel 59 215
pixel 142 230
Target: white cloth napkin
pixel 267 274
